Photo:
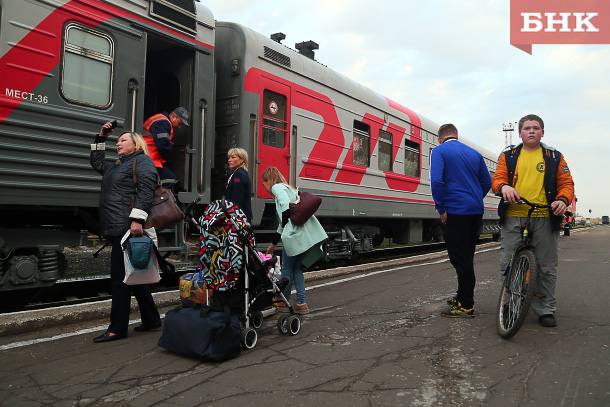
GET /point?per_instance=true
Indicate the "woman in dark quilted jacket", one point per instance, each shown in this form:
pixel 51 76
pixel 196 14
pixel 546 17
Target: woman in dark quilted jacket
pixel 122 208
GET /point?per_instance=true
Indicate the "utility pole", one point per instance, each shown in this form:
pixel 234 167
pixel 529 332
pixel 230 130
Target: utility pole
pixel 508 133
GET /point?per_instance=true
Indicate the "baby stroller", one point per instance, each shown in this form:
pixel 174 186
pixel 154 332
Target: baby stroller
pixel 236 274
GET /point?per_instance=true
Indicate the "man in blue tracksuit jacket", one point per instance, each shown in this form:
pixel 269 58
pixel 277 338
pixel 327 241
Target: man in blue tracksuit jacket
pixel 460 180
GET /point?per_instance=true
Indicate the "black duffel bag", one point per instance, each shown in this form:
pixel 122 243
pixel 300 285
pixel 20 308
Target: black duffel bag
pixel 202 332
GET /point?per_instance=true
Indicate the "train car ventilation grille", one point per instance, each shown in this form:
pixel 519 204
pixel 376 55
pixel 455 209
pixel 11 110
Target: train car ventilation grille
pixel 178 13
pixel 277 57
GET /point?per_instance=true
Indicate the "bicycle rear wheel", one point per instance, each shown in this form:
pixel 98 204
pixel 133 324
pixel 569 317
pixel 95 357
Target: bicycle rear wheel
pixel 515 300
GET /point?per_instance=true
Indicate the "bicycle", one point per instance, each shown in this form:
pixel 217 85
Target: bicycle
pixel 519 283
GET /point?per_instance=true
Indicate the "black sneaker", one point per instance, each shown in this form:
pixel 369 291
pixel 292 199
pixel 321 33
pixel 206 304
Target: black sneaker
pixel 457 311
pixel 547 320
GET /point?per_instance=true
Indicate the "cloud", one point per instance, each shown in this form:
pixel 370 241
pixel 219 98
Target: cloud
pixel 451 61
pixel 439 88
pixel 356 71
pixel 408 69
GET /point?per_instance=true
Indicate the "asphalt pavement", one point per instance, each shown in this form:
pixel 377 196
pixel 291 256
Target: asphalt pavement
pixel 374 337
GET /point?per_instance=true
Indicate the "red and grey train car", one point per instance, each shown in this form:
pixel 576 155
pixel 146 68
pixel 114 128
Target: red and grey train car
pixel 68 66
pixel 367 156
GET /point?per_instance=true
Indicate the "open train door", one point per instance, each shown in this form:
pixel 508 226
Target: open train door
pixel 274 141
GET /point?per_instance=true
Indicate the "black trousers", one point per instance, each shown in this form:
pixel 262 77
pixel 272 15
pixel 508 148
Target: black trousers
pixel 167 177
pixel 121 295
pixel 460 232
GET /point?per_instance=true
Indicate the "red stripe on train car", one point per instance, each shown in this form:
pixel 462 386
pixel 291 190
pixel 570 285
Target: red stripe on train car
pixel 389 198
pixel 393 182
pixel 330 142
pixel 399 131
pixel 413 117
pixel 47 38
pixel 351 173
pixel 392 198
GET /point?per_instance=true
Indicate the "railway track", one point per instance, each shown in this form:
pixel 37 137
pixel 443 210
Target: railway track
pixel 98 288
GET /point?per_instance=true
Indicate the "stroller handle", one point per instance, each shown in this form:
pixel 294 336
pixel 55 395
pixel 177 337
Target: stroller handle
pixel 223 205
pixel 189 213
pixel 190 207
pixel 271 261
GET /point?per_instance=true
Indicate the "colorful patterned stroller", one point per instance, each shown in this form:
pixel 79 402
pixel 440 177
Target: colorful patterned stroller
pixel 236 274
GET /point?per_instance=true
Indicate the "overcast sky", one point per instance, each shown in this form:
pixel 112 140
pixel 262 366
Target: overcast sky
pixel 451 61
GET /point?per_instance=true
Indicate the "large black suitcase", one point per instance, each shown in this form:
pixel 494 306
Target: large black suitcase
pixel 202 332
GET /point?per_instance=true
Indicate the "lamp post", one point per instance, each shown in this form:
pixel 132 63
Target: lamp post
pixel 508 133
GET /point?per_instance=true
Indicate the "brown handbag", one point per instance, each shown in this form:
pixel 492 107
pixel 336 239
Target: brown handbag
pixel 304 209
pixel 164 211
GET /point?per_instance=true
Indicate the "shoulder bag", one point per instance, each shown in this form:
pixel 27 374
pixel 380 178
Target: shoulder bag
pixel 164 211
pixel 149 273
pixel 304 208
pixel 139 250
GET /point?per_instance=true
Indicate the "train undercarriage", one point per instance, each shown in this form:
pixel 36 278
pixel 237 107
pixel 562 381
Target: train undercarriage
pixel 349 240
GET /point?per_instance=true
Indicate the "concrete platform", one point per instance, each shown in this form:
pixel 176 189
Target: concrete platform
pixel 30 321
pixel 373 339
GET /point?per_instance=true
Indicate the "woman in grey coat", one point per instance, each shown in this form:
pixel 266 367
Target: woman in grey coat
pixel 122 208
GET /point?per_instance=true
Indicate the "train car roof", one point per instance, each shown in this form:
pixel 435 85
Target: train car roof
pixel 195 20
pixel 314 70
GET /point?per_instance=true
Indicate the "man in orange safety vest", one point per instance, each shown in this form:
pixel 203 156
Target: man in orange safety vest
pixel 158 134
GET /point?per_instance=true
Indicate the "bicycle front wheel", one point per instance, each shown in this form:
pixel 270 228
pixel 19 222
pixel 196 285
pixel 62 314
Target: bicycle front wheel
pixel 516 296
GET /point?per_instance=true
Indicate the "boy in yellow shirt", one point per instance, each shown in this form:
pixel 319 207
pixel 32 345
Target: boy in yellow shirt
pixel 540 174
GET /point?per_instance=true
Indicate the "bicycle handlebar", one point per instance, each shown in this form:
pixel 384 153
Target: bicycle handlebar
pixel 525 201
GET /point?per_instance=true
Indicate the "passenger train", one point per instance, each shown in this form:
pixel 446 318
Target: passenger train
pixel 68 66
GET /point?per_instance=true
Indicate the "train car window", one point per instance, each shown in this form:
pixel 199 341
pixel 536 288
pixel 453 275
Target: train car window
pixel 274 119
pixel 88 57
pixel 412 153
pixel 385 150
pixel 361 144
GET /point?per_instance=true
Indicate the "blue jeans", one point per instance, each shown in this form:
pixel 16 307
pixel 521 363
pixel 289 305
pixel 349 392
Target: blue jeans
pixel 291 268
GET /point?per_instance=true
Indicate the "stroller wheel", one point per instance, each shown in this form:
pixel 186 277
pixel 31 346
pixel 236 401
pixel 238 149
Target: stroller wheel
pixel 294 324
pixel 282 324
pixel 257 319
pixel 249 337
